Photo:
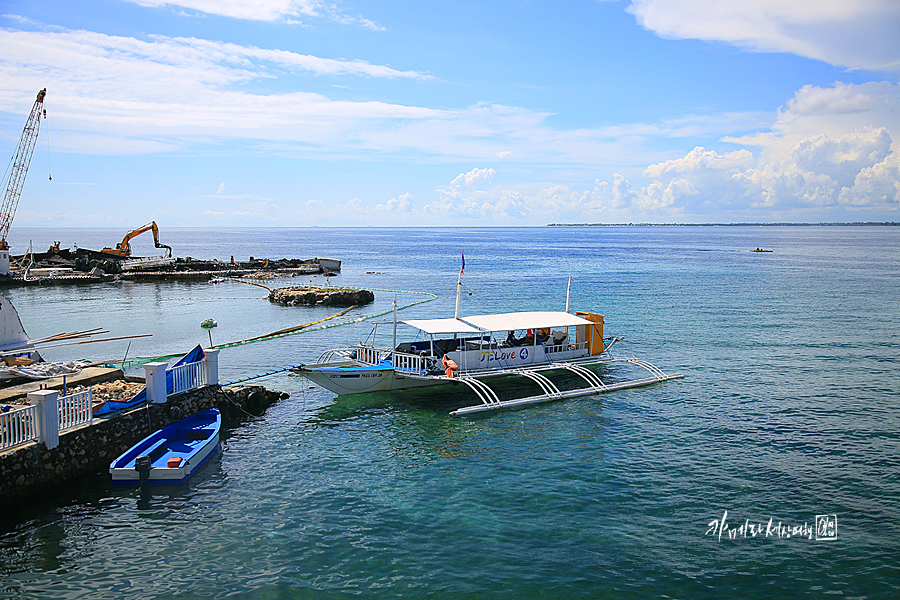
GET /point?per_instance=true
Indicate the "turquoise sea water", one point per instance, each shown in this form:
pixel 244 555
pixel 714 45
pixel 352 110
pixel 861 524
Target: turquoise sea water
pixel 790 408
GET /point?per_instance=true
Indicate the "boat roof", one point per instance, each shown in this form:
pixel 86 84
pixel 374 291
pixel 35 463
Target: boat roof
pixel 525 320
pixel 441 326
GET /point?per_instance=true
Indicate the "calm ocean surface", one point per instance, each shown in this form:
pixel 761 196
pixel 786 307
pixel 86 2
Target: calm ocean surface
pixel 790 408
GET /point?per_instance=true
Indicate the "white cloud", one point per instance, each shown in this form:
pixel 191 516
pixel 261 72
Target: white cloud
pixel 221 195
pixel 846 33
pixel 841 99
pixel 265 10
pixel 401 204
pixel 475 180
pixel 466 196
pixel 699 158
pixel 878 185
pixel 511 205
pixel 832 111
pixel 473 197
pixel 855 171
pixel 119 95
pixel 851 174
pixel 107 93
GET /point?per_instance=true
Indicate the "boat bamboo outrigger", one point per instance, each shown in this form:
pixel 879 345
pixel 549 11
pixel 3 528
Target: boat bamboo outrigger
pixel 466 350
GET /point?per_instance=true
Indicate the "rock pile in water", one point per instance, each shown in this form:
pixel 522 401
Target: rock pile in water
pixel 310 296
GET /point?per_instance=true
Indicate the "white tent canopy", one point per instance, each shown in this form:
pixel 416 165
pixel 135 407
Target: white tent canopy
pixel 433 326
pixel 524 320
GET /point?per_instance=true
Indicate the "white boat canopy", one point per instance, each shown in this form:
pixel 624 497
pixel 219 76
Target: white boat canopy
pixel 433 326
pixel 525 320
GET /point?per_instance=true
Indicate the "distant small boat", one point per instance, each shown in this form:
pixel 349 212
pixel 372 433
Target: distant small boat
pixel 171 454
pixel 761 250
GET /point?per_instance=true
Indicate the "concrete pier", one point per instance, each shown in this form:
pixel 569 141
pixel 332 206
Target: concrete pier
pixel 16 394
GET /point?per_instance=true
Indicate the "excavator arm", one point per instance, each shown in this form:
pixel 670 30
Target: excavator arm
pixel 124 247
pixel 156 241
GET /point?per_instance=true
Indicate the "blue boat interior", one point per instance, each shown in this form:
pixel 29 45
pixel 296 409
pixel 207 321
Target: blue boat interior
pixel 176 440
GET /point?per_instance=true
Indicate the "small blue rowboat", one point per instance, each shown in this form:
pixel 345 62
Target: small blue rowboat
pixel 171 454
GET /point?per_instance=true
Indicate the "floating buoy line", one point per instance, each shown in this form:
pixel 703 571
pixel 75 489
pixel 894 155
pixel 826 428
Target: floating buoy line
pixel 297 329
pixel 133 299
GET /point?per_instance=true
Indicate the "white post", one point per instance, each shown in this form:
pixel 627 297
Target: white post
pixel 212 366
pixel 155 378
pixel 4 261
pixel 47 402
pixel 568 289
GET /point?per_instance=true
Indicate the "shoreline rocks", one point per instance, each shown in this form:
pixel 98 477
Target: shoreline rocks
pixel 311 296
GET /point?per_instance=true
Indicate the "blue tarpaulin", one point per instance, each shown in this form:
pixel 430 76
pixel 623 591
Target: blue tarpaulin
pixel 195 355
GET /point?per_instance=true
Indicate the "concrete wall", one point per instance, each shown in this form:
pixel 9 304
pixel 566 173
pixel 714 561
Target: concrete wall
pixel 32 468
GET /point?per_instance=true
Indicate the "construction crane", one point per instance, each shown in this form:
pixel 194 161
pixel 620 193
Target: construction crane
pixel 123 249
pixel 20 162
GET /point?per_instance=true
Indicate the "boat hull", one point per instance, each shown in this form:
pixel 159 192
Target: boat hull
pixel 193 440
pixel 362 380
pixel 345 378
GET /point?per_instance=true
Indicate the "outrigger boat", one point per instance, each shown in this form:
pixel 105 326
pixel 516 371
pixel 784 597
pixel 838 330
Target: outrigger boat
pixel 466 350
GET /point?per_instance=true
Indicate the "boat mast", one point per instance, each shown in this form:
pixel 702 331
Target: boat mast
pixel 568 289
pixel 459 285
pixel 394 346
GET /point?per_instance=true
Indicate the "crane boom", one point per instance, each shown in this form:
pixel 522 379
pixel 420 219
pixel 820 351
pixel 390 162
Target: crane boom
pixel 21 161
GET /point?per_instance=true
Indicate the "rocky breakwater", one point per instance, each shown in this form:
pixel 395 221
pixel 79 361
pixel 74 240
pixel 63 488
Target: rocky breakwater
pixel 312 296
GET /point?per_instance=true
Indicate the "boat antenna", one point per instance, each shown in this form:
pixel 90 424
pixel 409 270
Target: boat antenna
pixel 459 284
pixel 568 289
pixel 395 323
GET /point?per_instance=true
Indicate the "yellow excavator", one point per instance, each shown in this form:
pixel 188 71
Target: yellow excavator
pixel 123 248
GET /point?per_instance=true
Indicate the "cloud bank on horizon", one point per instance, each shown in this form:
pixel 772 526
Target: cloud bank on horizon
pixel 405 132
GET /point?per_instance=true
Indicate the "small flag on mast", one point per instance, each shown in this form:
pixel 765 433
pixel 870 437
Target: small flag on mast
pixel 463 270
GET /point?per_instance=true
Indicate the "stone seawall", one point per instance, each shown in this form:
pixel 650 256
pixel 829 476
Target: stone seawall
pixel 32 468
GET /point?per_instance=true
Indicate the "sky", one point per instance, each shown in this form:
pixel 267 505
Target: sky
pixel 506 113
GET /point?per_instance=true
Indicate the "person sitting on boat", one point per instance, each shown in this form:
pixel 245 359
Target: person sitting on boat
pixel 528 340
pixel 511 339
pixel 543 335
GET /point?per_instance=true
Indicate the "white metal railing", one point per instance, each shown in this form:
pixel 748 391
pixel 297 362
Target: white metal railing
pixel 409 363
pixel 341 353
pixel 76 409
pixel 188 376
pixel 368 355
pixel 565 346
pixel 18 426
